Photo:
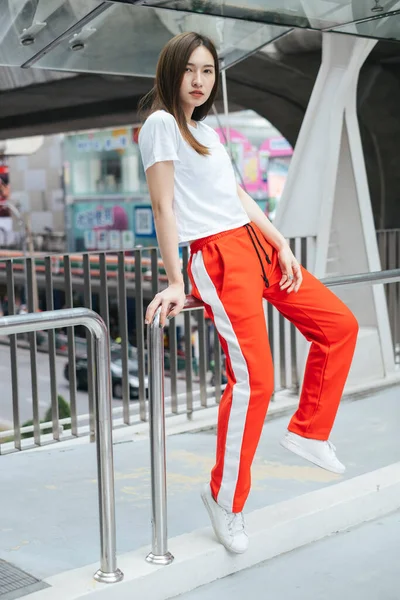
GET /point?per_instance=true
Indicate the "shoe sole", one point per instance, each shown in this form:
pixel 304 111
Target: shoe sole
pixel 204 497
pixel 292 447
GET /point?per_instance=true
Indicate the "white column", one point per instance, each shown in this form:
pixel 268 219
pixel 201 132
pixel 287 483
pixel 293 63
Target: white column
pixel 327 197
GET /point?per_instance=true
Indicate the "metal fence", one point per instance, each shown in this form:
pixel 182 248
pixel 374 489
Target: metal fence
pixel 117 286
pixel 30 323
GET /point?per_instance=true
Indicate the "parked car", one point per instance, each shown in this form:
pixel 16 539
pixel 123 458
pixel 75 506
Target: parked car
pixel 81 366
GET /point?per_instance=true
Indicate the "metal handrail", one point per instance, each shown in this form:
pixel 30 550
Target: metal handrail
pixel 69 317
pixel 159 553
pixel 374 277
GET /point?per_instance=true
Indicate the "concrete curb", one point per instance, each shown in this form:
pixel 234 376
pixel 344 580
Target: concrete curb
pixel 274 530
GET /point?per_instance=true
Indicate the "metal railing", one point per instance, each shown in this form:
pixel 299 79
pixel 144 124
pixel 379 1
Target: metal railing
pixel 159 552
pixel 12 325
pixel 118 286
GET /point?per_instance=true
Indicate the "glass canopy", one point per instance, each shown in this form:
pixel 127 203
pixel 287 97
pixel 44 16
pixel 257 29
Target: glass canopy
pixel 27 27
pixel 127 40
pixel 125 36
pixel 313 14
pixel 386 27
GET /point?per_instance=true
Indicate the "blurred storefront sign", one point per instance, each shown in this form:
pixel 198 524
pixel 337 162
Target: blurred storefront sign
pixel 104 224
pixel 100 225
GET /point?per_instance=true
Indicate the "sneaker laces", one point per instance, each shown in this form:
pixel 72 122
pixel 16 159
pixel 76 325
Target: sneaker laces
pixel 235 522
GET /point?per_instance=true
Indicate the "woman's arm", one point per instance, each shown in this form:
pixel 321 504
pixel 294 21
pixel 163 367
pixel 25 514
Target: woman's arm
pixel 291 271
pixel 160 181
pixel 255 214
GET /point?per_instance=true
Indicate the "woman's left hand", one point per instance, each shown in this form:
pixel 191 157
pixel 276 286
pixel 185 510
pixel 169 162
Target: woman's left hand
pixel 291 270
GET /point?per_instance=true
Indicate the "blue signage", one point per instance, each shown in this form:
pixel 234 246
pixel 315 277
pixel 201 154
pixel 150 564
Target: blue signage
pixel 144 222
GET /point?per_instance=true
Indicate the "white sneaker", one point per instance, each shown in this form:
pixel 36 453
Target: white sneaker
pixel 316 451
pixel 228 527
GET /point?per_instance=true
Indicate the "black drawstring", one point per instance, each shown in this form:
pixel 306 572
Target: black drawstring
pixel 248 228
pixel 259 243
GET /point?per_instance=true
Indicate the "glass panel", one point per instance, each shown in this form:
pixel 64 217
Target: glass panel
pixel 386 28
pixel 28 26
pixel 314 14
pixel 127 40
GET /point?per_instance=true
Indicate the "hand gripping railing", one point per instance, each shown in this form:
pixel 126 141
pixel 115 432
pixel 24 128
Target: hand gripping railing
pixel 108 572
pixel 155 343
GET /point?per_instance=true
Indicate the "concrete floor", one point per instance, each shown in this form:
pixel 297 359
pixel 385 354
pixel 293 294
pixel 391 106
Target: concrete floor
pixel 49 507
pixel 360 563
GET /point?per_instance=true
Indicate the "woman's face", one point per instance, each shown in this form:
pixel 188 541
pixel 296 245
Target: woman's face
pixel 198 79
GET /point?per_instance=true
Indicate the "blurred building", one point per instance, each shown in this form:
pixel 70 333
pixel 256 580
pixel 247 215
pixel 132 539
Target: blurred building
pixel 36 189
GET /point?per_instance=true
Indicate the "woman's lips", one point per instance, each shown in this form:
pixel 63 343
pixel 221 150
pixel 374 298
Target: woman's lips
pixel 199 94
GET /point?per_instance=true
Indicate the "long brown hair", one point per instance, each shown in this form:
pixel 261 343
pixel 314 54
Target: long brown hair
pixel 164 95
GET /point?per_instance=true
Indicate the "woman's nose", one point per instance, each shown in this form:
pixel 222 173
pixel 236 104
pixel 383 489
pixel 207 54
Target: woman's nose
pixel 197 79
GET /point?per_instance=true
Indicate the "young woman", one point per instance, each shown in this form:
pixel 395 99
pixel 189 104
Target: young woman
pixel 237 258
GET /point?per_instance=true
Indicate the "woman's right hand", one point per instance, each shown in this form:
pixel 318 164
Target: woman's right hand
pixel 171 300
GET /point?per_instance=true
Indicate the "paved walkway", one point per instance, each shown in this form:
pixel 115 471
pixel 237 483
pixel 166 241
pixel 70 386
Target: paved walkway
pixel 360 563
pixel 49 504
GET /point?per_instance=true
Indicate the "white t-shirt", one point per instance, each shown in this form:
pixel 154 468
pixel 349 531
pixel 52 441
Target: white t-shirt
pixel 205 196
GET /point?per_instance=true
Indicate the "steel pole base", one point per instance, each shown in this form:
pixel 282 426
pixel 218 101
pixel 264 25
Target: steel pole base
pixel 160 559
pixel 113 577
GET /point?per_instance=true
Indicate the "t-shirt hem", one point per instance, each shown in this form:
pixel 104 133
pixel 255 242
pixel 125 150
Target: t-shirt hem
pixel 199 236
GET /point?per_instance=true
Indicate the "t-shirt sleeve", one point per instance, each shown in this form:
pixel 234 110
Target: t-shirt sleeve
pixel 158 139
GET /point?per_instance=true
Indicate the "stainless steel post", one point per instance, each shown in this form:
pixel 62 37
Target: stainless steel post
pixel 108 572
pixel 155 343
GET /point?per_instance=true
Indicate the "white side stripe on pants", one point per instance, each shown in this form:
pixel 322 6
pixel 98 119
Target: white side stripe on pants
pixel 241 389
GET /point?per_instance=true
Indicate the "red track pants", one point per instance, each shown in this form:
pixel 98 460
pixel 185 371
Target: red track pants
pixel 227 276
